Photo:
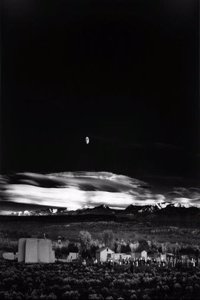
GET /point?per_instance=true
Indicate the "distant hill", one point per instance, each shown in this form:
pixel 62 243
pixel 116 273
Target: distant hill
pixel 98 210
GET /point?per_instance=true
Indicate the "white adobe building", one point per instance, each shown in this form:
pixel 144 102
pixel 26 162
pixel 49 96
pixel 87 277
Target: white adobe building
pixel 72 256
pixel 139 255
pixel 103 254
pixel 33 250
pixel 120 256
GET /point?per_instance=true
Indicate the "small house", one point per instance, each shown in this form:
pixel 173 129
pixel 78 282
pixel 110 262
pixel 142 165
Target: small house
pixel 72 256
pixel 104 254
pixel 120 256
pixel 139 255
pixel 155 256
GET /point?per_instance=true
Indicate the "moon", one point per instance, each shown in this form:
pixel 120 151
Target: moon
pixel 87 140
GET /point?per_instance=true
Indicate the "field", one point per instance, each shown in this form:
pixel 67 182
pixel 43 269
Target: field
pixel 75 281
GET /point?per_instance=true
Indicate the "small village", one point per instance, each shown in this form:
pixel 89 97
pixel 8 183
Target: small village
pixel 88 251
pixel 137 256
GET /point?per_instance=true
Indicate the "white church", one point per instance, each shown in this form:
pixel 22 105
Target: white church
pixel 33 250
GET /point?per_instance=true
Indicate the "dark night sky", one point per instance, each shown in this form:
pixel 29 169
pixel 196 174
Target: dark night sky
pixel 124 73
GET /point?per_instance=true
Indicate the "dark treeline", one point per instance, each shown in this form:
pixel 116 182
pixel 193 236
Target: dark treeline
pixel 150 220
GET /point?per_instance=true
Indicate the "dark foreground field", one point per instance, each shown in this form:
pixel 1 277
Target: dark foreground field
pixel 75 281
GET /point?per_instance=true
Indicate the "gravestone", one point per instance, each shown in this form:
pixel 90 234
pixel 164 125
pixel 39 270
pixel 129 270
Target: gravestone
pixel 144 255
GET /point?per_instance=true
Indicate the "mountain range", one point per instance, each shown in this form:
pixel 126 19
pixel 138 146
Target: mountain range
pixel 131 210
pixel 92 194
